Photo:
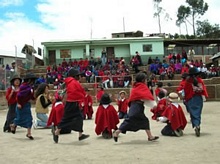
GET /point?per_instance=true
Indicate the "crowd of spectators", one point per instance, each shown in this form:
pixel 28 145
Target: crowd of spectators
pixel 114 73
pixel 179 64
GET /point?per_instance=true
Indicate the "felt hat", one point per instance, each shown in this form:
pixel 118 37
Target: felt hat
pixel 30 75
pixel 194 71
pixel 15 76
pixel 122 92
pixel 173 97
pixel 105 99
pixel 74 72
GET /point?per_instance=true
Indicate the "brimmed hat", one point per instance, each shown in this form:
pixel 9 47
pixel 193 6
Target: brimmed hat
pixel 122 92
pixel 15 76
pixel 30 75
pixel 194 71
pixel 74 72
pixel 105 99
pixel 173 97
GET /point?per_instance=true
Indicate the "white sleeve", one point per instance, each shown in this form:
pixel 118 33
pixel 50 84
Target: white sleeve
pixel 162 119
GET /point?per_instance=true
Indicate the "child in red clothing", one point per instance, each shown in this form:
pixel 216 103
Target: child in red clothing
pixel 122 103
pixel 174 116
pixel 161 106
pixel 87 105
pixel 106 117
pixel 11 95
pixel 99 94
pixel 57 112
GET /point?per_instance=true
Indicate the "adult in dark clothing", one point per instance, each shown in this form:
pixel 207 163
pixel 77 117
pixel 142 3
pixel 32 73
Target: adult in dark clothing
pixel 137 120
pixel 72 118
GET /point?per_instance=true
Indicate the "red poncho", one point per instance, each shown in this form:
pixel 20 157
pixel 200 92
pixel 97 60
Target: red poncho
pixel 140 91
pixel 175 116
pixel 106 118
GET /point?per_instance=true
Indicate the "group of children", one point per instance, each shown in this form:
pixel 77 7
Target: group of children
pixel 73 104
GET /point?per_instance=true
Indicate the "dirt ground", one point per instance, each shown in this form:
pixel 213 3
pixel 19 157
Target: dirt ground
pixel 132 148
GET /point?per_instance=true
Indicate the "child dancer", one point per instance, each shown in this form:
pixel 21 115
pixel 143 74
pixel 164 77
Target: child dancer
pixel 106 117
pixel 137 120
pixel 11 95
pixel 57 112
pixel 174 117
pixel 23 109
pixel 87 105
pixel 72 117
pixel 42 103
pixel 122 103
pixel 161 106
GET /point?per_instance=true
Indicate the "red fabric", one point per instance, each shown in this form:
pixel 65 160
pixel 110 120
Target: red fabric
pixel 140 91
pixel 99 94
pixel 181 85
pixel 87 108
pixel 13 98
pixel 184 70
pixel 123 106
pixel 188 89
pixel 56 114
pixel 75 92
pixel 175 116
pixel 106 118
pixel 159 109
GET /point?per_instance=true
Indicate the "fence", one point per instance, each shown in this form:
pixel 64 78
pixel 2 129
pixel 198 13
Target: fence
pixel 5 76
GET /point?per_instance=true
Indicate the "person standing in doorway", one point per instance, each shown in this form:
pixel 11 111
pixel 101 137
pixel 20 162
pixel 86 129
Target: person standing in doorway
pixel 104 57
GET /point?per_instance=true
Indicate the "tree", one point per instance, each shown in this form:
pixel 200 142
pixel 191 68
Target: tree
pixel 206 30
pixel 159 11
pixel 193 11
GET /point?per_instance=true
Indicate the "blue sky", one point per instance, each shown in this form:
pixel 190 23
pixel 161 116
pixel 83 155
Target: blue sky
pixel 35 21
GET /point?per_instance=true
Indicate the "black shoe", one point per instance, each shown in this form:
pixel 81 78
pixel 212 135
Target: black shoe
pixel 153 139
pixel 30 137
pixel 83 136
pixel 55 137
pixel 115 139
pixel 197 131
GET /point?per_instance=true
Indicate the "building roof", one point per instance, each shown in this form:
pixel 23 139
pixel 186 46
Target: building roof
pixel 100 41
pixel 191 42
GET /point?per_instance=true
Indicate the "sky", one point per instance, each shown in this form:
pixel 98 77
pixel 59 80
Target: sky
pixel 35 21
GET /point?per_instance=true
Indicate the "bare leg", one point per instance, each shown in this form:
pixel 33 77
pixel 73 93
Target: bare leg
pixel 115 135
pixel 29 134
pixel 57 132
pixel 150 136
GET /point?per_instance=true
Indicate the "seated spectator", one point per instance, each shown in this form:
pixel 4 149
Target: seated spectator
pixel 178 68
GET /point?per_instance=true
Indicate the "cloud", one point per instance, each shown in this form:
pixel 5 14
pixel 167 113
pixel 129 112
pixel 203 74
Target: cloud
pixel 4 3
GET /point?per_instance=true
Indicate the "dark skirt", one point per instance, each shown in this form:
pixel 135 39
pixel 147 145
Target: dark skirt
pixel 136 119
pixel 23 116
pixel 72 118
pixel 10 117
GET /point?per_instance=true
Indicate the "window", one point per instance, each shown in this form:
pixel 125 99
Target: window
pixel 147 48
pixel 65 53
pixel 2 61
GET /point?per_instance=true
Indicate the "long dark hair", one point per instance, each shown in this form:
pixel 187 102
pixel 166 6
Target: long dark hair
pixel 40 89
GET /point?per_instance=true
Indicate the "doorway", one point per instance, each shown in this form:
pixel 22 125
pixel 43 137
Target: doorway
pixel 52 57
pixel 110 52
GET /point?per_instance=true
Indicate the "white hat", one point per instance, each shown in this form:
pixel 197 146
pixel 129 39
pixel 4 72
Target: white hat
pixel 173 97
